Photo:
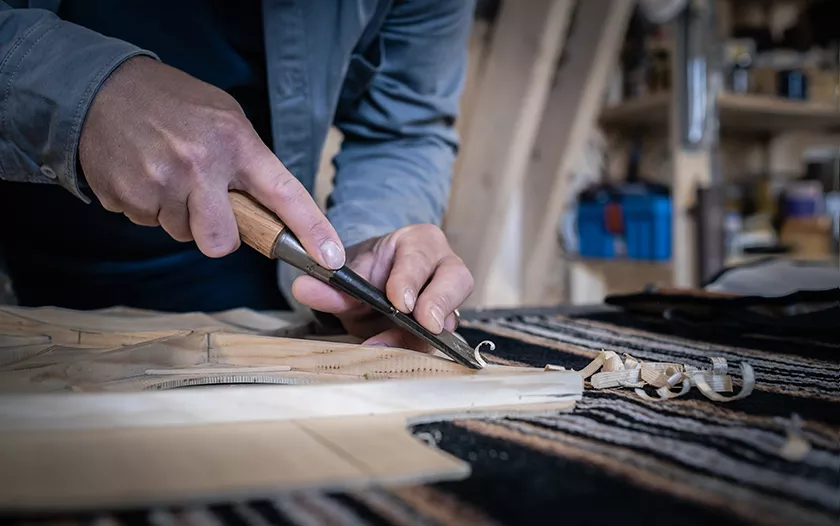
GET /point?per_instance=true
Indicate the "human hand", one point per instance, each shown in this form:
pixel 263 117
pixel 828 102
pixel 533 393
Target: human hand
pixel 164 148
pixel 419 273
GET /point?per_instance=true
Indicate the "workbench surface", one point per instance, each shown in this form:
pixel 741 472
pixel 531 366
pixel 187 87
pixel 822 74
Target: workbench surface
pixel 616 458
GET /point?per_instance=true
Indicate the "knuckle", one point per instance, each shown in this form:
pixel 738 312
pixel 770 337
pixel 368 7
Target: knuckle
pixel 467 279
pixel 108 201
pixel 318 230
pixel 190 156
pixel 462 273
pixel 159 175
pixel 125 196
pixel 420 259
pixel 227 124
pixel 286 190
pixel 431 232
pixel 219 244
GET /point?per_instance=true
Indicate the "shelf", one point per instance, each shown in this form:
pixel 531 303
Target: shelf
pixel 748 259
pixel 743 114
pixel 625 264
pixel 593 279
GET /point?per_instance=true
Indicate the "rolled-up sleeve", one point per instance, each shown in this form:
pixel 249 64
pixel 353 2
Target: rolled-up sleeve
pixel 395 164
pixel 50 71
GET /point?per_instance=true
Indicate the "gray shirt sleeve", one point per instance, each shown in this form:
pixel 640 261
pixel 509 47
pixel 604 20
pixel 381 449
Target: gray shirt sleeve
pixel 395 164
pixel 50 71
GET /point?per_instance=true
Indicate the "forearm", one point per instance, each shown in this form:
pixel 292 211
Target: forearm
pixel 50 71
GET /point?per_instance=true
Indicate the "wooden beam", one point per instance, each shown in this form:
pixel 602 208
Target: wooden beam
pixel 526 44
pixel 477 51
pixel 594 41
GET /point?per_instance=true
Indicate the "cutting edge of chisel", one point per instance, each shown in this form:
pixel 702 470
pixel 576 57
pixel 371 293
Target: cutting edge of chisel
pixel 444 341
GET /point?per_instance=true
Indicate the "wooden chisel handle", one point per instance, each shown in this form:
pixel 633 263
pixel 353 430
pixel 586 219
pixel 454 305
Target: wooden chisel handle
pixel 259 227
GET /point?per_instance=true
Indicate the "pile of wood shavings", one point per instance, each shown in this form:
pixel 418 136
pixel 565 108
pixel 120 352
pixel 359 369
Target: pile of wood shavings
pixel 666 376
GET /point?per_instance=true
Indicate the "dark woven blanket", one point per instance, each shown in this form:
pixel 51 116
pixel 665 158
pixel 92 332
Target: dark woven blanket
pixel 615 458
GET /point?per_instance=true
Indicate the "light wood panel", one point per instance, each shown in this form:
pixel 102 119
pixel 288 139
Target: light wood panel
pixel 227 405
pixel 527 41
pixel 119 421
pixel 594 42
pixel 88 451
pixel 477 52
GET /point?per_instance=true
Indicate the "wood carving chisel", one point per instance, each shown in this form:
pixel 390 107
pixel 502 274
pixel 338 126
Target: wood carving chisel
pixel 265 232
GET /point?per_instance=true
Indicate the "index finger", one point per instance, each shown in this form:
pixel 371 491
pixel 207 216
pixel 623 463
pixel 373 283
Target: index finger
pixel 270 183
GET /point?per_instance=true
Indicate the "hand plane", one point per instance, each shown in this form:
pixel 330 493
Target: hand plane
pixel 262 230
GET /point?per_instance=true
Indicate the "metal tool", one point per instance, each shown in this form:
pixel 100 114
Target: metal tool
pixel 262 229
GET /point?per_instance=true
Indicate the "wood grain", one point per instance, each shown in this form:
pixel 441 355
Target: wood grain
pixel 571 114
pixel 98 421
pixel 526 44
pixel 258 226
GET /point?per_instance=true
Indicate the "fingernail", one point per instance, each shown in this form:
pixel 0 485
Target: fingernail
pixel 376 344
pixel 332 254
pixel 451 324
pixel 437 314
pixel 408 297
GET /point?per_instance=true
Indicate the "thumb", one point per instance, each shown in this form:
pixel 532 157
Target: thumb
pixel 270 183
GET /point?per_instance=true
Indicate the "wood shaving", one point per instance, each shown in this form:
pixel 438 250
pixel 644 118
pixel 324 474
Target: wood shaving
pixel 796 446
pixel 608 370
pixel 550 367
pixel 478 357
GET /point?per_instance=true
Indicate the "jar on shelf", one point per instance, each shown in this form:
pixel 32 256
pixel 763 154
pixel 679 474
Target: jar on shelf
pixel 791 78
pixel 822 77
pixel 763 75
pixel 738 61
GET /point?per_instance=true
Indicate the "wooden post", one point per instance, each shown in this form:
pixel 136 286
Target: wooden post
pixel 477 52
pixel 594 41
pixel 693 136
pixel 526 44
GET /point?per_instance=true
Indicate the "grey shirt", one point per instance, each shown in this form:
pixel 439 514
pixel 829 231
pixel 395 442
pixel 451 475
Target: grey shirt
pixel 387 74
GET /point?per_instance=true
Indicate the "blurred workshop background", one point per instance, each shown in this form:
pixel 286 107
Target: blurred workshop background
pixel 608 145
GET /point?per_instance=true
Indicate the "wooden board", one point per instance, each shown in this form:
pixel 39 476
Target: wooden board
pixel 742 114
pixel 526 43
pixel 87 426
pixel 593 47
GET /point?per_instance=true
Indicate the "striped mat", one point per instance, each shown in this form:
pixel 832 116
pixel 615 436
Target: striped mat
pixel 616 458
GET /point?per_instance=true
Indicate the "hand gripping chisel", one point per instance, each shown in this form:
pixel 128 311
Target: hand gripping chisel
pixel 262 230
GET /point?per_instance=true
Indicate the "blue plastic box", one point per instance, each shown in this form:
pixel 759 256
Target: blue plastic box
pixel 647 229
pixel 593 238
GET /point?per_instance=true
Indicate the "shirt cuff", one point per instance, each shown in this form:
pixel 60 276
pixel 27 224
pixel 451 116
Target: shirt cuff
pixel 49 81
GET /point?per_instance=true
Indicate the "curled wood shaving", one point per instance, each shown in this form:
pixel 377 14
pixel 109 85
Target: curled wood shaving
pixel 478 357
pixel 608 370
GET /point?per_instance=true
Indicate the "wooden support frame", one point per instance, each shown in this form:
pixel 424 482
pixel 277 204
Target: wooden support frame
pixel 527 126
pixel 575 101
pixel 477 51
pixel 527 41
